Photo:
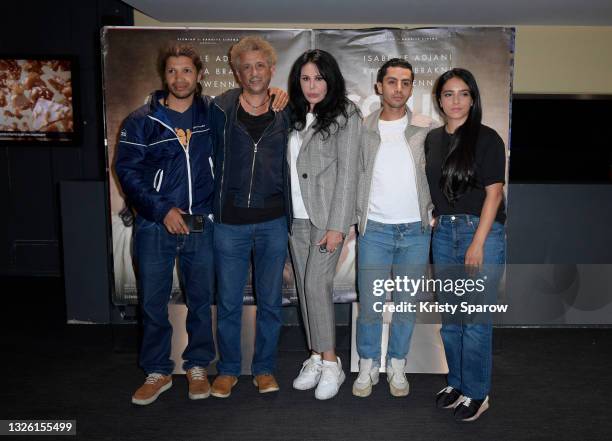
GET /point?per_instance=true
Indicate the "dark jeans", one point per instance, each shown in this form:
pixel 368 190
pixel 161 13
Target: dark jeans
pixel 233 247
pixel 468 345
pixel 155 252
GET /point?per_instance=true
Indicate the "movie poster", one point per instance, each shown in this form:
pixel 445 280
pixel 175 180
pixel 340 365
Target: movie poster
pixel 130 75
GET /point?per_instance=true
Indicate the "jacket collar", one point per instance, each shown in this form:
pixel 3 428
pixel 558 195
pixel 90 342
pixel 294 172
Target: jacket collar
pixel 228 101
pixel 308 134
pixel 371 124
pixel 371 121
pixel 157 110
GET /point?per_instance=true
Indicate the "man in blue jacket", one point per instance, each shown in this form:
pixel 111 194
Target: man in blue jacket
pixel 251 210
pixel 165 169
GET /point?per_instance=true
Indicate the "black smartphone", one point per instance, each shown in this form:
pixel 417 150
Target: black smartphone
pixel 195 222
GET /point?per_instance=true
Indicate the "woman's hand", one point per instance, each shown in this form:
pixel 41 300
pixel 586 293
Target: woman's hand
pixel 331 240
pixel 474 257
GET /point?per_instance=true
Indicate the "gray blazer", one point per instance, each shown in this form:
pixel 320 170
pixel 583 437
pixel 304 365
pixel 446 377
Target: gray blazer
pixel 415 136
pixel 327 171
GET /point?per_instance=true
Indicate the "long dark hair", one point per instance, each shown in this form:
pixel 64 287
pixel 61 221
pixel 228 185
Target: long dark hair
pixel 335 102
pixel 458 168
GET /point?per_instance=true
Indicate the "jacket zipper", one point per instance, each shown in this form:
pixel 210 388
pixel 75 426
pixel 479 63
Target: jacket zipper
pixel 255 144
pixel 252 171
pixel 222 165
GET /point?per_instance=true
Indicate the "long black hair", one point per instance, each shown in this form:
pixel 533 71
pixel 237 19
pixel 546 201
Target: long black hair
pixel 458 168
pixel 333 105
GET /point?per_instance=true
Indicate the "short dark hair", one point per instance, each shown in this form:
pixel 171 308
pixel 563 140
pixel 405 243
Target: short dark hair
pixel 179 50
pixel 393 62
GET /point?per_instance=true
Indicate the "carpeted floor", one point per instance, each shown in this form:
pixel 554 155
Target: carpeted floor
pixel 548 384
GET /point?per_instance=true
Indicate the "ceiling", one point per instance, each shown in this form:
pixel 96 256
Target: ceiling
pixel 377 12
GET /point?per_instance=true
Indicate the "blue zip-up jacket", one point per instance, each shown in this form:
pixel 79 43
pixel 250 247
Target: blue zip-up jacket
pixel 155 171
pixel 259 167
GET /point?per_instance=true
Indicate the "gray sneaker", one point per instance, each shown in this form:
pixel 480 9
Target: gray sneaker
pixel 368 377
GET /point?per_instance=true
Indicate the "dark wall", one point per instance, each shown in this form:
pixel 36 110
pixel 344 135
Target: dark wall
pixel 30 243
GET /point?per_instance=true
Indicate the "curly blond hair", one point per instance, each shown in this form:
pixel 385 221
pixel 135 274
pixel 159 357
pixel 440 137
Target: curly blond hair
pixel 252 43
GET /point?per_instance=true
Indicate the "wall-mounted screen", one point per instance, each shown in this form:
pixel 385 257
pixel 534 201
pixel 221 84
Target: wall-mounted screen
pixel 37 100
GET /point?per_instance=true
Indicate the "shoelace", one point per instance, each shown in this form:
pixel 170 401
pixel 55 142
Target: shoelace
pixel 365 373
pixel 446 390
pixel 153 378
pixel 397 376
pixel 328 374
pixel 197 373
pixel 310 365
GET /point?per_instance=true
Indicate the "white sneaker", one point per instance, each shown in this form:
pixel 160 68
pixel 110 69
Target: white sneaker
pixel 368 377
pixel 398 384
pixel 332 376
pixel 309 374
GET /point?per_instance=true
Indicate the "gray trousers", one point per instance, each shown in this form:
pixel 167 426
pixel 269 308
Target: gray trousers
pixel 314 277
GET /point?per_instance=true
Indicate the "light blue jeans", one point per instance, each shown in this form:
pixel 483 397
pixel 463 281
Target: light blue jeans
pixel 387 251
pixel 468 341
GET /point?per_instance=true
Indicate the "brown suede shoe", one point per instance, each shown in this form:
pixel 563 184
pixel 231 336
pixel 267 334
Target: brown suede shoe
pixel 222 386
pixel 266 383
pixel 199 387
pixel 154 385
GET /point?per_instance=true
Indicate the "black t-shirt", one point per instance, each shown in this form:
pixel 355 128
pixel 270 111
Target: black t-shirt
pixel 255 125
pixel 275 205
pixel 490 156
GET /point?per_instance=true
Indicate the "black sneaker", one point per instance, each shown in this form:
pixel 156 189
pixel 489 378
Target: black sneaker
pixel 469 409
pixel 448 398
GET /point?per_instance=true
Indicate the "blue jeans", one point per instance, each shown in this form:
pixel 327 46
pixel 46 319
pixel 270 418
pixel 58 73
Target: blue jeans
pixel 468 346
pixel 155 253
pixel 385 251
pixel 233 246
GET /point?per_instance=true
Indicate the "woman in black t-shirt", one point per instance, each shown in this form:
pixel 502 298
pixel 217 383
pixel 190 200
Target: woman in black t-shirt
pixel 465 170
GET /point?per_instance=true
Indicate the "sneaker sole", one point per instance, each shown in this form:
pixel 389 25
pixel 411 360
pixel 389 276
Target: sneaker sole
pixel 452 405
pixel 483 407
pixel 199 396
pixel 394 391
pixel 363 393
pixel 399 392
pixel 265 391
pixel 342 378
pixel 144 402
pixel 220 395
pixel 307 387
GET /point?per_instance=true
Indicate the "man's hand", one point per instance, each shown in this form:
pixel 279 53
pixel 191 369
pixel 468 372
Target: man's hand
pixel 281 98
pixel 331 240
pixel 174 222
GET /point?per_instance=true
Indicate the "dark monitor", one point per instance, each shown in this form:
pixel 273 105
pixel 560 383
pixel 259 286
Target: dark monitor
pixel 561 139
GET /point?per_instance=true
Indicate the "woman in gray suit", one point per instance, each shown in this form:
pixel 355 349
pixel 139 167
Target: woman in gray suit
pixel 323 151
